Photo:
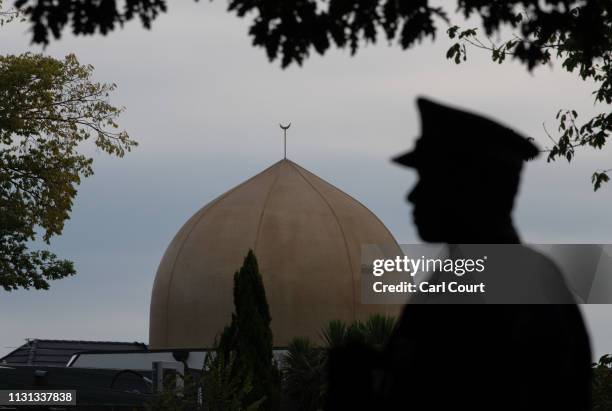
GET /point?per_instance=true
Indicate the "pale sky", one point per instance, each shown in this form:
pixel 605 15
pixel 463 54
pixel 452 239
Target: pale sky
pixel 205 106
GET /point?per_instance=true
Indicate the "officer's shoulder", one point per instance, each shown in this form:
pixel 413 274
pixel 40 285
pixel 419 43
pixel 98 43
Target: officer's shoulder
pixel 529 259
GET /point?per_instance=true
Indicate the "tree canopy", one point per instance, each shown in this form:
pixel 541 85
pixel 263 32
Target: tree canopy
pixel 48 107
pixel 249 335
pixel 578 32
pixel 291 29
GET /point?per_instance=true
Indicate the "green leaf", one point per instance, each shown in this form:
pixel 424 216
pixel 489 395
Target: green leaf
pixel 49 107
pixel 598 179
pixel 452 31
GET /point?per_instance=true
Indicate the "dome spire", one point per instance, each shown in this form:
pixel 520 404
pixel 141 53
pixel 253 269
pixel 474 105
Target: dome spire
pixel 285 128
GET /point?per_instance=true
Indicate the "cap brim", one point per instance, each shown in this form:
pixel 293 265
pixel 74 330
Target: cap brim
pixel 407 159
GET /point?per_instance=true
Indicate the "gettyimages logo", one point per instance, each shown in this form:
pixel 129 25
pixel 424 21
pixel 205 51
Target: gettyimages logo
pixel 420 267
pixel 487 274
pixel 413 266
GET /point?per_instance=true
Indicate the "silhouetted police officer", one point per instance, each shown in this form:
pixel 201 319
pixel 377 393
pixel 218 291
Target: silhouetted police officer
pixel 471 356
pixel 479 357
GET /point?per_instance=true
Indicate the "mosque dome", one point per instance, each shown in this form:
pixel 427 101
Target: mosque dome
pixel 307 237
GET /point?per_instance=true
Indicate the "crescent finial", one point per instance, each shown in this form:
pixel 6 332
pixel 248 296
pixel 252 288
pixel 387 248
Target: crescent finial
pixel 285 128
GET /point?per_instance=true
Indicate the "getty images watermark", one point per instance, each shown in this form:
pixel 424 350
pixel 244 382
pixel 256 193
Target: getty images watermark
pixel 486 274
pixel 414 266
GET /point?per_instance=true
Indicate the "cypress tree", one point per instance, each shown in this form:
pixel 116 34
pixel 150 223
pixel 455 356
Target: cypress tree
pixel 250 335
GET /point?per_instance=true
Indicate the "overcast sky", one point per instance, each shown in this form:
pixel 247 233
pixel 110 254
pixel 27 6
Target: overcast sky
pixel 205 106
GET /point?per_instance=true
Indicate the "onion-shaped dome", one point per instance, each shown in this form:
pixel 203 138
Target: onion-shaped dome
pixel 307 237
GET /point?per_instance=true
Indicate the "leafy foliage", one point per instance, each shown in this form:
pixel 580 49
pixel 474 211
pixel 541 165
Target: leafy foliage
pixel 304 382
pixel 374 332
pixel 335 334
pixel 223 387
pixel 304 371
pixel 578 32
pixel 602 384
pixel 48 107
pixel 176 398
pixel 7 16
pixel 580 36
pixel 218 388
pixel 85 17
pixel 377 330
pixel 290 29
pixel 250 337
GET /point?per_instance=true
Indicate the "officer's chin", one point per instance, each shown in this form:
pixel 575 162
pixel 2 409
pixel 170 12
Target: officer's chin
pixel 429 234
